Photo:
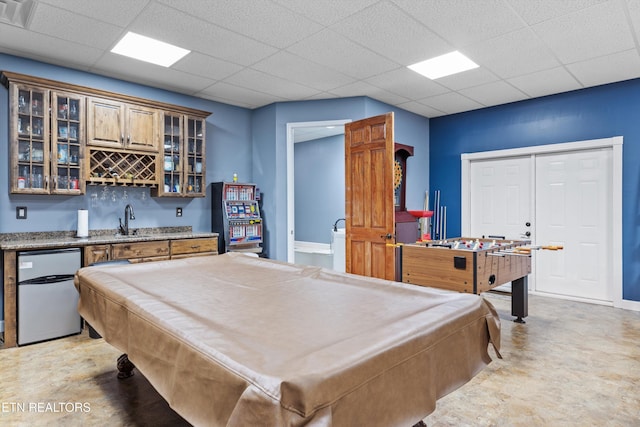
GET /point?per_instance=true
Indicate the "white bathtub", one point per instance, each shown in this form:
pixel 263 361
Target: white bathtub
pixel 313 253
pixel 330 256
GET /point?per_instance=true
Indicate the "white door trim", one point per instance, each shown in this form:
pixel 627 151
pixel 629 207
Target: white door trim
pixel 291 220
pixel 615 143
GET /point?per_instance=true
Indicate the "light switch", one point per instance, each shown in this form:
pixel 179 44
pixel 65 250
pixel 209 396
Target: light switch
pixel 21 212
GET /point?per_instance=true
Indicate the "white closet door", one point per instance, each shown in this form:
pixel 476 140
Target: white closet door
pixel 500 201
pixel 573 209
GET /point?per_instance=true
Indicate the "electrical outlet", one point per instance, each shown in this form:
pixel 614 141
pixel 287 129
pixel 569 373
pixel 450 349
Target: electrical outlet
pixel 21 212
pixel 178 212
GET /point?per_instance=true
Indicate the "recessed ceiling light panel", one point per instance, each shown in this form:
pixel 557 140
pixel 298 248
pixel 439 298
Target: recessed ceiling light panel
pixel 149 50
pixel 444 65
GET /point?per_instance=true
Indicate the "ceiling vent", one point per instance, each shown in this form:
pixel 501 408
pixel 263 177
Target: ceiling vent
pixel 16 12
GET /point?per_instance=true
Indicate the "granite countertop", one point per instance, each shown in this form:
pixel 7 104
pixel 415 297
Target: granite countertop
pixel 67 239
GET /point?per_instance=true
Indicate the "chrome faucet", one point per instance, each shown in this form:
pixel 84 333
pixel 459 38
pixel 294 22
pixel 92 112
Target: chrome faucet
pixel 128 214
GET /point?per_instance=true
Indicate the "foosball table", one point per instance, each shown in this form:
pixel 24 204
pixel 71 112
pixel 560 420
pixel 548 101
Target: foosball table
pixel 471 265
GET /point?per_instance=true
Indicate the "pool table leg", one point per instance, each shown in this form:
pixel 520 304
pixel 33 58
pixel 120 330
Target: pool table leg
pixel 125 367
pixel 519 299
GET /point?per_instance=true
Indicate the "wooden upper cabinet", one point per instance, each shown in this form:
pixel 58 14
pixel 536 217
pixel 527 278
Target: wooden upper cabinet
pixel 115 124
pixel 63 136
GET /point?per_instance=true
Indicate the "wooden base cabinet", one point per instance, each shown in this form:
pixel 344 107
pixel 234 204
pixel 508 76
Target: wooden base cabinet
pixel 186 248
pixel 154 250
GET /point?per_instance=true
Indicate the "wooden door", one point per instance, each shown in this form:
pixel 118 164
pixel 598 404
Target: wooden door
pixel 369 197
pixel 142 128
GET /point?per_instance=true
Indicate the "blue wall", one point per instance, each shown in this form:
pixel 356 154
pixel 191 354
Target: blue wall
pixel 593 113
pixel 251 143
pixel 319 187
pixel 270 152
pixel 228 150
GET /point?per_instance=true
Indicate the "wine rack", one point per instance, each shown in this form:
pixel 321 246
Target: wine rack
pixel 125 168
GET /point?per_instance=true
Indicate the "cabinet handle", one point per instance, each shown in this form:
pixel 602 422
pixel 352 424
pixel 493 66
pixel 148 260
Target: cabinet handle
pixel 128 139
pixel 122 138
pixel 55 182
pixel 46 182
pixel 195 246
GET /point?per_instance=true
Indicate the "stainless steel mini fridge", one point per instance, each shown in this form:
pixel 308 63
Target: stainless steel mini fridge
pixel 47 297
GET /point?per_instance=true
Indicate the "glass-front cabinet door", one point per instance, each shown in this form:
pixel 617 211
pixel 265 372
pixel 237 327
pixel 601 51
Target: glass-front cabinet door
pixel 182 161
pixel 29 144
pixel 172 161
pixel 67 150
pixel 194 157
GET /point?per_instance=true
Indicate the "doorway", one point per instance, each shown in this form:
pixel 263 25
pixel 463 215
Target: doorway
pixel 574 198
pixel 300 132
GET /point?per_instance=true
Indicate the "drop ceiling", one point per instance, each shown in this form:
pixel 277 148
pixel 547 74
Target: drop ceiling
pixel 251 53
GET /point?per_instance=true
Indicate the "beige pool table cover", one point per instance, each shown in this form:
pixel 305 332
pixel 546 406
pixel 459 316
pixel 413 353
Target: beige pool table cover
pixel 233 340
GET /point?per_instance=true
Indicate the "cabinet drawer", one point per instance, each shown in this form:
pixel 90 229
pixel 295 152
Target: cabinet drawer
pixel 149 259
pixel 193 255
pixel 139 249
pixel 96 253
pixel 192 246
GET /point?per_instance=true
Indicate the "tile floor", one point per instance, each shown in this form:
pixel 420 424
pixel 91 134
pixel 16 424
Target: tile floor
pixel 571 364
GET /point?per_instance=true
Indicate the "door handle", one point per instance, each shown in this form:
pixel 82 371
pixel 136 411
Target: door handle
pixel 387 236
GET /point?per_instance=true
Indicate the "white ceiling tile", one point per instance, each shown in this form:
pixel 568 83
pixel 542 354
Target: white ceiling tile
pixel 596 31
pixel 362 88
pixel 537 47
pixel 469 78
pixel 188 32
pixel 359 88
pixel 451 103
pixel 512 54
pixel 322 95
pixel 633 7
pixel 72 27
pixel 461 22
pixel 116 12
pixel 249 16
pixel 421 109
pixel 248 97
pixel 267 83
pixel 149 74
pixel 46 48
pixel 607 69
pixel 303 71
pixel 206 66
pixel 406 83
pixel 546 82
pixel 537 11
pixel 228 101
pixel 494 93
pixel 341 54
pixel 326 12
pixel 389 31
pixel 387 97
